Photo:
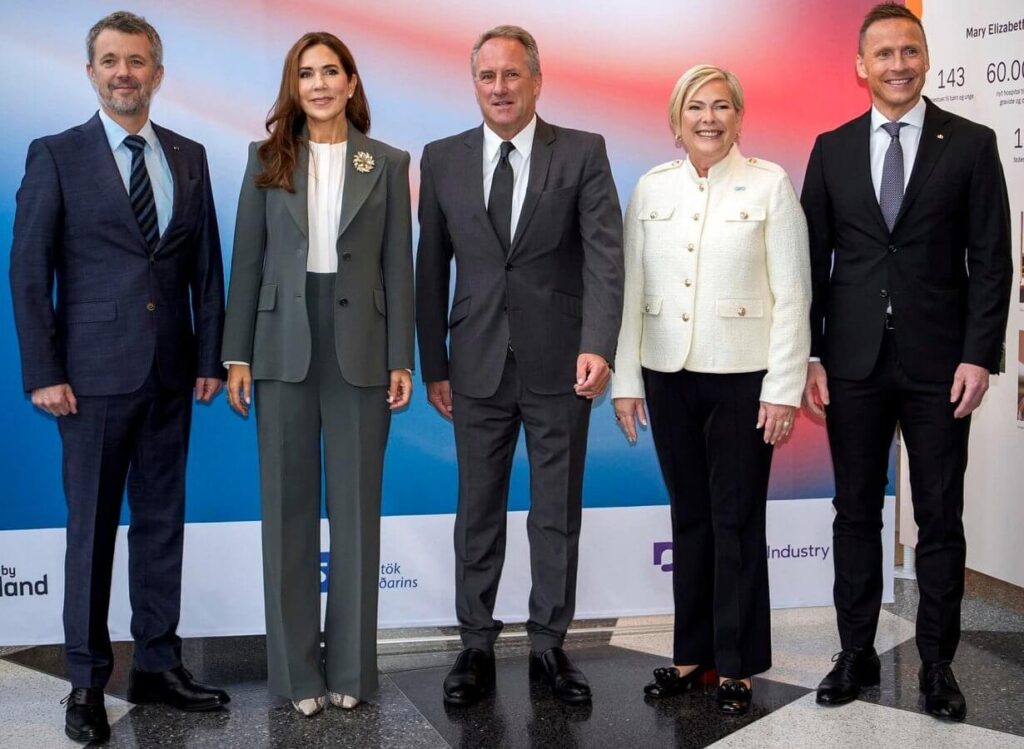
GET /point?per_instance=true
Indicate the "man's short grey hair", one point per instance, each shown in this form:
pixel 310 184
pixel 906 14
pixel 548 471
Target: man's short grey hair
pixel 518 33
pixel 126 23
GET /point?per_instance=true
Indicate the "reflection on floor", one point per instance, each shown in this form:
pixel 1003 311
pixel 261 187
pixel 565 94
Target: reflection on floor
pixel 617 656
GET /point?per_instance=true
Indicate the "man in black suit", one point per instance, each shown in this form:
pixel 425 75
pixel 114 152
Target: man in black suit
pixel 911 268
pixel 530 213
pixel 120 213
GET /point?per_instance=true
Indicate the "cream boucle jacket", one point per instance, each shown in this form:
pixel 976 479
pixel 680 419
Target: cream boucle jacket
pixel 717 277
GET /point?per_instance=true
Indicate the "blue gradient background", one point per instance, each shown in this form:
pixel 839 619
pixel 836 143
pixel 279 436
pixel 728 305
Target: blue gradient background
pixel 602 72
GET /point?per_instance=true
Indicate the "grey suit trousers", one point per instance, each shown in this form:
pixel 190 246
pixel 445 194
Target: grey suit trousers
pixel 354 423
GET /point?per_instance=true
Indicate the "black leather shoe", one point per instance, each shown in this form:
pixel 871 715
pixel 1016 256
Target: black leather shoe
pixel 566 681
pixel 942 695
pixel 176 688
pixel 733 697
pixel 667 681
pixel 471 678
pixel 855 668
pixel 86 718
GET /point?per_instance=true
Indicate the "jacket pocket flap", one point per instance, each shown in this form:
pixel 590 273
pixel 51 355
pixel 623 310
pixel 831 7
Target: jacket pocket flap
pixel 657 212
pixel 268 298
pixel 380 301
pixel 568 303
pixel 746 213
pixel 652 304
pixel 91 312
pixel 740 308
pixel 460 310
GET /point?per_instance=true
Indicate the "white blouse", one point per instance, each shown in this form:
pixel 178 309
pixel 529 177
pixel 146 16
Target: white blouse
pixel 325 187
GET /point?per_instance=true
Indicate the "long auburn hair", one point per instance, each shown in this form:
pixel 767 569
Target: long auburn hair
pixel 286 119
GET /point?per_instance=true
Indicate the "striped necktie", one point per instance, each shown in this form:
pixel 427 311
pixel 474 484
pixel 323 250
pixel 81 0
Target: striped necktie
pixel 140 191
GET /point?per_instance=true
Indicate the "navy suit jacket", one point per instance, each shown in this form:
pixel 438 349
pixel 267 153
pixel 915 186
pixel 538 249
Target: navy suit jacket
pixel 946 266
pixel 120 308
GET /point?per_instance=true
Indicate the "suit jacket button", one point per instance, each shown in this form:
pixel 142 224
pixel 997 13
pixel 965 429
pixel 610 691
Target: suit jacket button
pixel 150 306
pixel 883 293
pixel 152 258
pixel 742 312
pixel 686 317
pixel 346 256
pixel 343 302
pixel 647 308
pixel 744 215
pixel 690 247
pixel 508 266
pixel 687 282
pixel 893 249
pixel 654 214
pixel 696 217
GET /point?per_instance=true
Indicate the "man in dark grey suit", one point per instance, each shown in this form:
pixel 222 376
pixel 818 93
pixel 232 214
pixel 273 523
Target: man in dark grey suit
pixel 119 212
pixel 531 215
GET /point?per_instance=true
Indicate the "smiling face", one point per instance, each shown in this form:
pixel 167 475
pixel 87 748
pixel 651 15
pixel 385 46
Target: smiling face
pixel 893 61
pixel 505 88
pixel 123 73
pixel 324 87
pixel 709 124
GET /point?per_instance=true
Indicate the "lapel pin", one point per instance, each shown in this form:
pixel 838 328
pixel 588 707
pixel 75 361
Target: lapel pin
pixel 940 136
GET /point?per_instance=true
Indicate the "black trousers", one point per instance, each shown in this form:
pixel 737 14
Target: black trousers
pixel 716 467
pixel 486 431
pixel 141 439
pixel 862 420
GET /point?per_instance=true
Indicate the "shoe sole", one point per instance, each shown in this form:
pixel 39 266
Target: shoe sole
pixel 86 737
pixel 136 700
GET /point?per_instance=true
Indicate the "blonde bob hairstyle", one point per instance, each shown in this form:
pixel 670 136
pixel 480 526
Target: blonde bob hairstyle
pixel 692 80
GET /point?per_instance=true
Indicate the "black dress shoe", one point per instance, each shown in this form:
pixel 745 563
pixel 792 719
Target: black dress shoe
pixel 176 688
pixel 566 681
pixel 855 668
pixel 86 718
pixel 942 695
pixel 668 682
pixel 733 697
pixel 471 678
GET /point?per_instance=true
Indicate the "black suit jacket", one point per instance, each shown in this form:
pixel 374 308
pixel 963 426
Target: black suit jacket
pixel 946 266
pixel 557 294
pixel 119 307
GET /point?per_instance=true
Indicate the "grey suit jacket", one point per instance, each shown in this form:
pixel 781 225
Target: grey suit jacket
pixel 556 295
pixel 267 323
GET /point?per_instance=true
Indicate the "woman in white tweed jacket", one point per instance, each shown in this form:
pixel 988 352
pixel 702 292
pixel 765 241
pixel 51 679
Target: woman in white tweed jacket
pixel 715 337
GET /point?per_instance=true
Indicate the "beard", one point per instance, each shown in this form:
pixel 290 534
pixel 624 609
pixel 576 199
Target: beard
pixel 131 105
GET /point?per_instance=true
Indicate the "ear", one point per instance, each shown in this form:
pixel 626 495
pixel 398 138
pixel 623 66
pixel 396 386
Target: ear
pixel 158 78
pixel 862 71
pixel 353 80
pixel 90 72
pixel 538 81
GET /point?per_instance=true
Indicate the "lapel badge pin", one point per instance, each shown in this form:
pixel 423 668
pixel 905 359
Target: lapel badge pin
pixel 940 136
pixel 739 188
pixel 363 162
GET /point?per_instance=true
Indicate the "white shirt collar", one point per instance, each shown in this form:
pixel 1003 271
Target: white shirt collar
pixel 116 134
pixel 914 117
pixel 523 141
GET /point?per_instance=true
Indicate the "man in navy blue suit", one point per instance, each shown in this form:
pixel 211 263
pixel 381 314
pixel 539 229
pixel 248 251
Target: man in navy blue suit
pixel 119 212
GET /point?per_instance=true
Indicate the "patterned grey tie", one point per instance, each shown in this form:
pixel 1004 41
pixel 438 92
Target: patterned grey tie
pixel 890 197
pixel 140 191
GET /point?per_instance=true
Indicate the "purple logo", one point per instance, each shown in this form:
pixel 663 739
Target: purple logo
pixel 661 548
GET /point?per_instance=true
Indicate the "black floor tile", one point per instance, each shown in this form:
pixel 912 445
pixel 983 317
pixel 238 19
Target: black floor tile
pixel 521 714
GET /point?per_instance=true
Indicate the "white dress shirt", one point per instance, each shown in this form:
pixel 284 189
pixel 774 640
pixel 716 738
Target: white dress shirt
pixel 324 190
pixel 910 137
pixel 519 159
pixel 156 164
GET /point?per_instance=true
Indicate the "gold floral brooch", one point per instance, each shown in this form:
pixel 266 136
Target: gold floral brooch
pixel 363 162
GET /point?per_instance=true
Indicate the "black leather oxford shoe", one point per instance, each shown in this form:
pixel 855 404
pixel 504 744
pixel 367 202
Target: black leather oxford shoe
pixel 566 681
pixel 855 668
pixel 86 718
pixel 176 688
pixel 942 695
pixel 471 678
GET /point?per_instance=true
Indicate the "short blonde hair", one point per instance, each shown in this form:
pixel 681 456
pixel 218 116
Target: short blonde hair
pixel 692 80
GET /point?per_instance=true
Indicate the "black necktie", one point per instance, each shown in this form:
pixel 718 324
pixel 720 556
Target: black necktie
pixel 140 191
pixel 499 204
pixel 890 196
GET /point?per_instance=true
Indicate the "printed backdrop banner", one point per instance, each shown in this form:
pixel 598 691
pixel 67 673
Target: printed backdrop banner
pixel 222 66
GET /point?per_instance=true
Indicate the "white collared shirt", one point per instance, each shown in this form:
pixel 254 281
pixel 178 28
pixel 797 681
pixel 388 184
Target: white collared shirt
pixel 519 159
pixel 156 164
pixel 910 137
pixel 323 202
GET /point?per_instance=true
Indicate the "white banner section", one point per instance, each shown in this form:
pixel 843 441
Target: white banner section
pixel 625 570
